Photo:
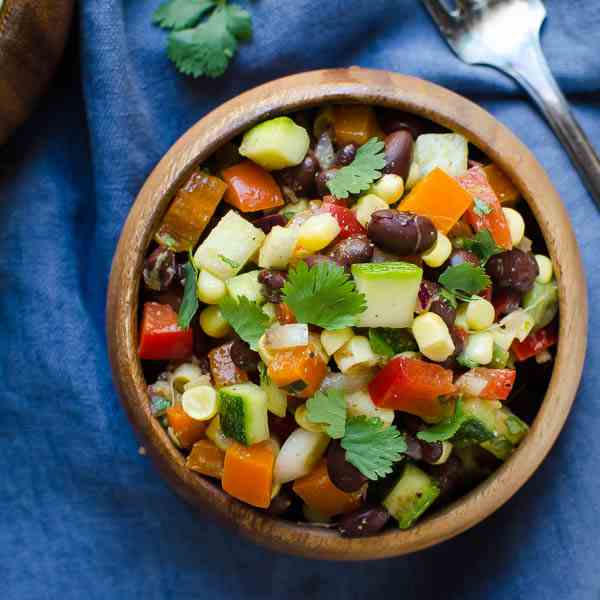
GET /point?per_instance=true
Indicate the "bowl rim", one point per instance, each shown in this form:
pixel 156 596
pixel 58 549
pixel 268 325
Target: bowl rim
pixel 382 88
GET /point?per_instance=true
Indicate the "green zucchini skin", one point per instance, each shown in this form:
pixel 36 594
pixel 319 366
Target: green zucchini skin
pixel 243 413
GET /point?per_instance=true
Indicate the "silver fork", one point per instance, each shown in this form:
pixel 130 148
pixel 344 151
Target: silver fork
pixel 505 34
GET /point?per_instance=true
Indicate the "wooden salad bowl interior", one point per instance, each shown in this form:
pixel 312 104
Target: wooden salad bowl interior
pixel 311 89
pixel 33 34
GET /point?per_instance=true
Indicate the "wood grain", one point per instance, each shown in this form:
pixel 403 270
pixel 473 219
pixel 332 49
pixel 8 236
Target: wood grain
pixel 33 34
pixel 384 89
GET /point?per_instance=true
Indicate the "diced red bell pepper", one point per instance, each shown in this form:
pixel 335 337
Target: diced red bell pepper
pixel 499 382
pixel 345 218
pixel 160 336
pixel 505 301
pixel 413 386
pixel 535 342
pixel 488 215
pixel 251 188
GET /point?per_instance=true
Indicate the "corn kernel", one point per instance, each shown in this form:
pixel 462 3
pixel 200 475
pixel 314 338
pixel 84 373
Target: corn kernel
pixel 480 348
pixel 446 452
pixel 389 188
pixel 301 417
pixel 438 254
pixel 516 225
pixel 200 402
pixel 215 434
pixel 432 336
pixel 332 341
pixel 480 314
pixel 185 374
pixel 269 310
pixel 210 289
pixel 366 206
pixel 265 355
pixel 545 268
pixel 356 354
pixel 317 232
pixel 213 323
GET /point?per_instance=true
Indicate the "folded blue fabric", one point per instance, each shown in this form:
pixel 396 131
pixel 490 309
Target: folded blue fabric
pixel 83 514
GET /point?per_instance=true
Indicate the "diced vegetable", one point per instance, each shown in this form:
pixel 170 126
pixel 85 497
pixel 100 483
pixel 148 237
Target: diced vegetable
pixel 535 343
pixel 187 375
pixel 278 248
pixel 387 342
pixel 541 303
pixel 300 452
pixel 413 386
pixel 276 398
pixel 389 188
pixel 518 324
pixel 359 403
pixel 335 339
pixel 489 384
pixel 480 314
pixel 503 187
pixel 509 431
pixel 284 314
pixel 229 246
pixel 246 284
pixel 445 151
pixel 317 232
pixel 439 197
pixel 299 371
pixel 248 473
pixel 187 430
pixel 479 349
pixel 243 411
pixel 439 253
pixel 283 337
pixel 411 496
pixel 366 206
pixel 391 290
pixel 190 211
pixel 207 459
pixel 223 370
pixel 345 218
pixel 486 212
pixel 210 289
pixel 355 354
pixel 433 337
pixel 215 434
pixel 354 124
pixel 250 188
pixel 546 272
pixel 160 336
pixel 516 225
pixel 213 323
pixel 319 493
pixel 276 144
pixel 301 418
pixel 200 402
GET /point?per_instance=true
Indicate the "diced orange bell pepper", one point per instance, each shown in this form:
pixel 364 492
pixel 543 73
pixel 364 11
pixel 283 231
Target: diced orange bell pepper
pixel 251 188
pixel 503 187
pixel 413 386
pixel 191 210
pixel 284 314
pixel 206 458
pixel 299 371
pixel 248 473
pixel 161 338
pixel 438 197
pixel 222 368
pixel 319 493
pixel 354 123
pixel 487 212
pixel 187 430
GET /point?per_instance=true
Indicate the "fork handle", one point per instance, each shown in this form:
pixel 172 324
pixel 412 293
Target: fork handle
pixel 531 70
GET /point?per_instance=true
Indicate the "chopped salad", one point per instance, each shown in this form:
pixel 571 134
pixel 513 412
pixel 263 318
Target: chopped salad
pixel 335 309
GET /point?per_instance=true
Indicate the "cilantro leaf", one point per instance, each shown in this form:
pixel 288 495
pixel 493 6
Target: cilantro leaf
pixel 246 317
pixel 371 447
pixel 481 207
pixel 464 279
pixel 328 408
pixel 445 429
pixel 207 48
pixel 189 303
pixel 482 244
pixel 323 295
pixel 388 342
pixel 361 172
pixel 179 14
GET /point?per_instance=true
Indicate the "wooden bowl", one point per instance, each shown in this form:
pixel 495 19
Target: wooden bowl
pixel 33 34
pixel 306 90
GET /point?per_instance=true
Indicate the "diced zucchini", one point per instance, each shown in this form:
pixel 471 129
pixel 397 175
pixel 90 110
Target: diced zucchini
pixel 541 302
pixel 276 397
pixel 500 357
pixel 355 354
pixel 359 403
pixel 411 496
pixel 390 289
pixel 276 144
pixel 246 284
pixel 278 248
pixel 243 411
pixel 509 431
pixel 229 246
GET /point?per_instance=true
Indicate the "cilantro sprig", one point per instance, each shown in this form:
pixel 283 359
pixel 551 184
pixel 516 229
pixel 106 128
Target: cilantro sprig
pixel 483 245
pixel 464 280
pixel 203 47
pixel 189 302
pixel 445 429
pixel 361 172
pixel 323 295
pixel 246 317
pixel 328 408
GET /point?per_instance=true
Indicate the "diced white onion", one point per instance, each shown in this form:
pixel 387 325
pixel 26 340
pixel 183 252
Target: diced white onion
pixel 299 454
pixel 470 384
pixel 280 337
pixel 347 382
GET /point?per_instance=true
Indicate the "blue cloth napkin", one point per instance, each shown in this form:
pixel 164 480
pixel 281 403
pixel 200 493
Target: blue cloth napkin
pixel 83 514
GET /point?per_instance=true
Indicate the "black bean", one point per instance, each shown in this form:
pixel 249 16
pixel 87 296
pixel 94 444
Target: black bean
pixel 301 178
pixel 160 269
pixel 413 447
pixel 353 249
pixel 398 153
pixel 444 309
pixel 272 282
pixel 269 221
pixel 315 259
pixel 428 292
pixel 380 256
pixel 459 346
pixel 343 475
pixel 280 504
pixel 513 269
pixel 450 476
pixel 345 155
pixel 401 232
pixel 321 179
pixel 506 300
pixel 244 358
pixel 396 120
pixel 431 451
pixel 363 522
